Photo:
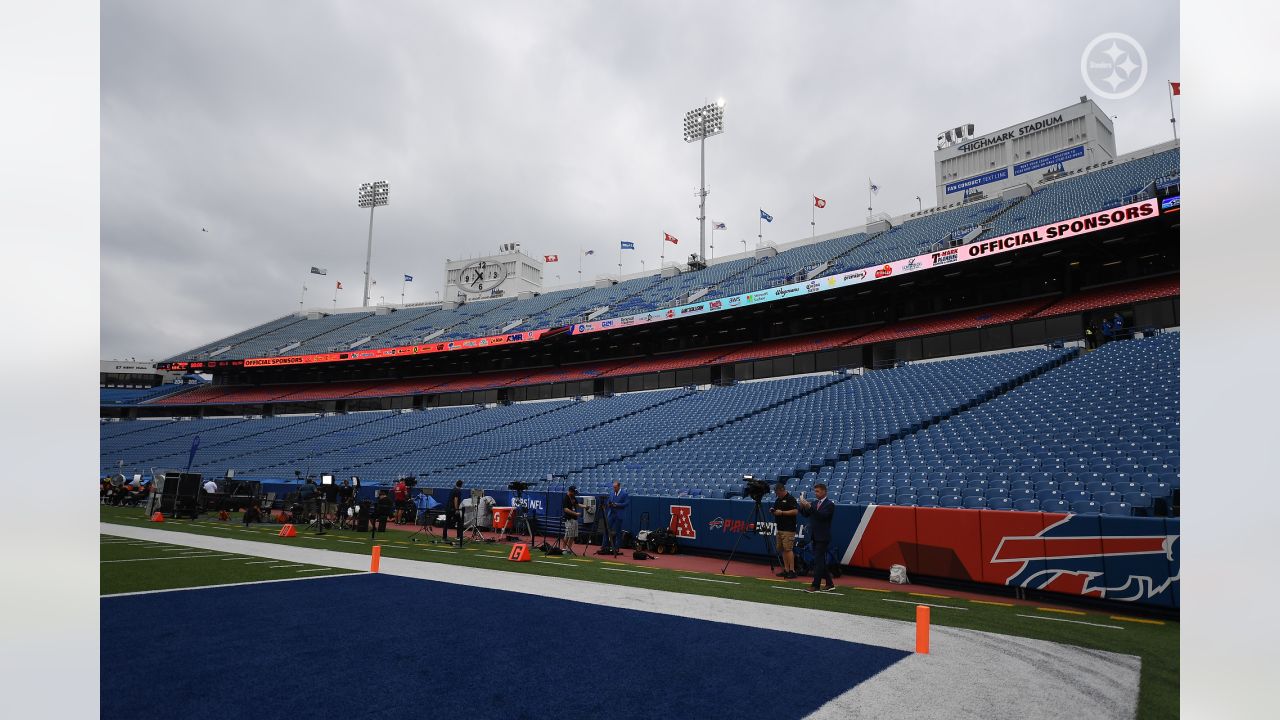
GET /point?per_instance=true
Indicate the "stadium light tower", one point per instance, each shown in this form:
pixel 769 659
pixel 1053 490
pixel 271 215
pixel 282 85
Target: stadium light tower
pixel 371 195
pixel 700 124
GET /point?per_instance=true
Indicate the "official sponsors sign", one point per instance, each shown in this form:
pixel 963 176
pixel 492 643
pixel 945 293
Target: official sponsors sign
pixel 975 181
pixel 1045 161
pixel 1082 225
pixel 376 353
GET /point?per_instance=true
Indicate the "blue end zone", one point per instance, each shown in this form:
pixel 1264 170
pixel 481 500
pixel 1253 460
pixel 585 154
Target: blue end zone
pixel 380 645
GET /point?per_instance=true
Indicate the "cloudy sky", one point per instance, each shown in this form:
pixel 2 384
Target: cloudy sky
pixel 553 124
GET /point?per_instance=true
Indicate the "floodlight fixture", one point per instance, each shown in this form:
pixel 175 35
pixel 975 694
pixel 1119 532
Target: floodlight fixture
pixel 371 195
pixel 699 124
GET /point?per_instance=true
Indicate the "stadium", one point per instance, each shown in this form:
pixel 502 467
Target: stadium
pixel 982 393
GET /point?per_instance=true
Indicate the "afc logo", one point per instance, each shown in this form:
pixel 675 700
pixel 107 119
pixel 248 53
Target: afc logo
pixel 682 522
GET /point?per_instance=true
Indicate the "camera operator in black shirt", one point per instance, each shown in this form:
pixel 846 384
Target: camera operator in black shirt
pixel 785 509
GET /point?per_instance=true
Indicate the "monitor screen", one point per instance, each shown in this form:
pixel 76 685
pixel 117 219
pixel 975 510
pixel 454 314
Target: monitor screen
pixel 326 479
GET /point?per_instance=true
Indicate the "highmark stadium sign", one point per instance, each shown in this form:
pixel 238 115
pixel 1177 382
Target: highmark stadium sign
pixel 1082 225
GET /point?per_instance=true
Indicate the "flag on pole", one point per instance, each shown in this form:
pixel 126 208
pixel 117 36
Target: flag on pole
pixel 339 285
pixel 668 237
pixel 318 271
pixel 819 202
pixel 408 278
pixel 628 245
pixel 766 216
pixel 551 258
pixel 1177 87
pixel 589 252
pixel 875 189
pixel 717 225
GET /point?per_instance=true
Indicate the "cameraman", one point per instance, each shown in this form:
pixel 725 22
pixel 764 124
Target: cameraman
pixel 785 510
pixel 571 515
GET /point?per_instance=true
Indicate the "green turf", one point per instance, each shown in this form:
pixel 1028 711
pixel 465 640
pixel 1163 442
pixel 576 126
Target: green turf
pixel 130 567
pixel 1157 645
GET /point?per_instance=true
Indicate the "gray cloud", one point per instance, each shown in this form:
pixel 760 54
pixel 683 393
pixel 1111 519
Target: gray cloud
pixel 554 124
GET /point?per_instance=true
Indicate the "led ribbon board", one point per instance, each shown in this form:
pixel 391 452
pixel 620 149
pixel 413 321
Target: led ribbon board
pixel 1074 227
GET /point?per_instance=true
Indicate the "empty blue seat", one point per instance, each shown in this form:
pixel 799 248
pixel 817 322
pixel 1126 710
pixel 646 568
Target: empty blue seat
pixel 999 504
pixel 1055 505
pixel 926 501
pixel 995 492
pixel 950 501
pixel 1097 486
pixel 1070 486
pixel 1107 497
pixel 1026 504
pixel 1086 507
pixel 1157 489
pixel 1075 496
pixel 975 502
pixel 1017 493
pixel 1138 499
pixel 1043 495
pixel 1116 508
pixel 1047 485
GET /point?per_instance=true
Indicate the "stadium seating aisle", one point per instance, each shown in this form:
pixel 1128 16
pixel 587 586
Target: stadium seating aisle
pixel 1069 197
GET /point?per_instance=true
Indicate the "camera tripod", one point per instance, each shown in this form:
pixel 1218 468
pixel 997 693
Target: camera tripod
pixel 758 517
pixel 471 531
pixel 319 522
pixel 423 519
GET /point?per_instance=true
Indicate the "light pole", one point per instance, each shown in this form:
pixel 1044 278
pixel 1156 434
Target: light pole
pixel 371 195
pixel 700 124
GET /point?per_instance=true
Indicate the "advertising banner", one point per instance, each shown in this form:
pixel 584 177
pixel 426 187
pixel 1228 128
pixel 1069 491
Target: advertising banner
pixel 1073 227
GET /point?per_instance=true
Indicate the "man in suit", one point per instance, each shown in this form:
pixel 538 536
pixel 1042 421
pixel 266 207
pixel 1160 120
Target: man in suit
pixel 618 501
pixel 820 512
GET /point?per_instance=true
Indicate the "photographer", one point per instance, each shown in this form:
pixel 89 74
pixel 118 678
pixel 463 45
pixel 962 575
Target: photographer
pixel 785 509
pixel 571 515
pixel 453 512
pixel 381 511
pixel 820 513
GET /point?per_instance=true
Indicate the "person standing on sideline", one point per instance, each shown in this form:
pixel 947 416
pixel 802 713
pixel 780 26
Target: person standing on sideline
pixel 618 501
pixel 571 514
pixel 820 512
pixel 785 509
pixel 1117 326
pixel 402 497
pixel 1106 331
pixel 453 513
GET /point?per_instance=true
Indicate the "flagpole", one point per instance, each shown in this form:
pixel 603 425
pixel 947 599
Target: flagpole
pixel 303 298
pixel 579 263
pixel 1172 120
pixel 813 218
pixel 759 231
pixel 868 197
pixel 402 284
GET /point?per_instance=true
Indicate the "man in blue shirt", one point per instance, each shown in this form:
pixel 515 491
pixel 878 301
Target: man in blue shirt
pixel 1117 326
pixel 820 512
pixel 616 505
pixel 1106 331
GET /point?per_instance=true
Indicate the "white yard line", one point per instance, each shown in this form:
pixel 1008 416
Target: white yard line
pixel 171 557
pixel 1075 622
pixel 913 602
pixel 722 582
pixel 213 587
